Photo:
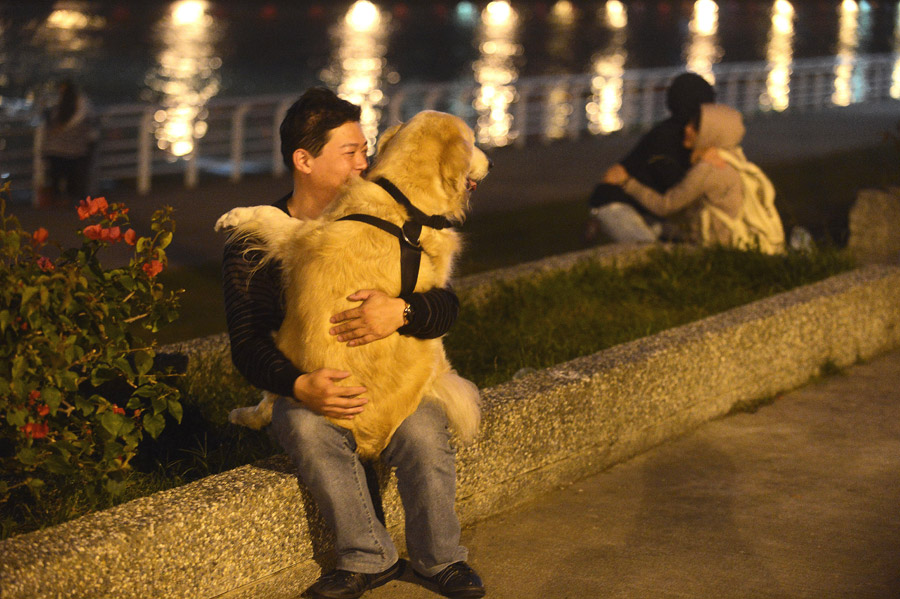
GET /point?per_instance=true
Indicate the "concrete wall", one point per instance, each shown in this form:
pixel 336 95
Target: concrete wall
pixel 253 531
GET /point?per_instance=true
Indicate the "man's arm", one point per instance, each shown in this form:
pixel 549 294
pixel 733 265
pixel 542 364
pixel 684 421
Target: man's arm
pixel 253 310
pixel 431 314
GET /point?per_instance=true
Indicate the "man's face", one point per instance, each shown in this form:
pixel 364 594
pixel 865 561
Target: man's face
pixel 342 157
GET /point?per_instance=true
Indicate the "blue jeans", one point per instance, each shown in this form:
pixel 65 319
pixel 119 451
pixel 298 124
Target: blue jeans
pixel 425 464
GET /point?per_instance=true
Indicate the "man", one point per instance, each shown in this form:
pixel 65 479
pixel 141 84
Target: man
pixel 323 145
pixel 659 161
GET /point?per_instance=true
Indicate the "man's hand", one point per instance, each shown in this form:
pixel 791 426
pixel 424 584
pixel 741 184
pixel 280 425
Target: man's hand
pixel 616 175
pixel 318 390
pixel 378 316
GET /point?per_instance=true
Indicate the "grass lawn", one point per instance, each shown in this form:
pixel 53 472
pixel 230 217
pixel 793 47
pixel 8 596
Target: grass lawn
pixel 815 193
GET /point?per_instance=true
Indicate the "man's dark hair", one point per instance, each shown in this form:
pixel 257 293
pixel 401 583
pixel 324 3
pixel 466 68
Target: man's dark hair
pixel 685 95
pixel 310 118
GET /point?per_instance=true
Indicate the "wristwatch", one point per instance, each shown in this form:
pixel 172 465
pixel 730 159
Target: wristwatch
pixel 407 313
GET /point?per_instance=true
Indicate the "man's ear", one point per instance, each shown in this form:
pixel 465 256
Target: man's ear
pixel 302 160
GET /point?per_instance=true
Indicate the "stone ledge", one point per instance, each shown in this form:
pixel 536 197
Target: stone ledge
pixel 253 532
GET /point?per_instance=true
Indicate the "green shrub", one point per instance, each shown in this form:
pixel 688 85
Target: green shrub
pixel 78 385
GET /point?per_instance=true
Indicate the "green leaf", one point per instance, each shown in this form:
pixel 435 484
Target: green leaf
pixel 16 417
pixel 27 293
pixel 27 456
pixel 159 404
pixel 164 240
pixel 18 369
pixel 124 366
pixel 84 405
pixel 51 396
pixel 154 424
pixel 143 361
pixel 102 374
pixel 58 464
pixel 175 410
pixel 115 487
pixel 5 319
pixel 110 422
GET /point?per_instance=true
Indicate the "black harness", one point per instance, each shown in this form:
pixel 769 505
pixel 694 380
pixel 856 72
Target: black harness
pixel 408 234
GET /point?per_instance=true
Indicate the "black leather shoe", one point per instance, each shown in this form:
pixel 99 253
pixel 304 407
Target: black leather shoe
pixel 343 584
pixel 457 581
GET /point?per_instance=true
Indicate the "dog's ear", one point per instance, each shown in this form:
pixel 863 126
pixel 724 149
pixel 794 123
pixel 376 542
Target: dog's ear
pixel 386 137
pixel 455 158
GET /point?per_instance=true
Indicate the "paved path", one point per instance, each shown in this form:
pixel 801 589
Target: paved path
pixel 798 500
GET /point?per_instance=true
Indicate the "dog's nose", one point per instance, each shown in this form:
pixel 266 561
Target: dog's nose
pixel 490 164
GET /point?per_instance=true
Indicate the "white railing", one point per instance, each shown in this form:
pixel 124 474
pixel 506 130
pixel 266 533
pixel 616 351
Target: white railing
pixel 242 133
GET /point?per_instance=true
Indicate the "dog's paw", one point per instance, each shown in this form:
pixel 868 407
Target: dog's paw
pixel 241 217
pixel 233 218
pixel 255 417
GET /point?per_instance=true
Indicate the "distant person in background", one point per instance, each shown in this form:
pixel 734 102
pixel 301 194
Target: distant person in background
pixel 724 199
pixel 70 137
pixel 659 161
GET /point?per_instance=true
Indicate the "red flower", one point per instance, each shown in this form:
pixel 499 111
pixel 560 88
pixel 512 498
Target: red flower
pixel 43 409
pixel 34 396
pixel 112 234
pixel 39 236
pixel 117 410
pixel 45 264
pixel 40 430
pixel 152 268
pixel 94 232
pixel 36 430
pixel 130 237
pixel 89 207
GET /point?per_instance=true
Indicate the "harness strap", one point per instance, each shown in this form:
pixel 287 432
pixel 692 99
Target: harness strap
pixel 408 234
pixel 435 221
pixel 410 249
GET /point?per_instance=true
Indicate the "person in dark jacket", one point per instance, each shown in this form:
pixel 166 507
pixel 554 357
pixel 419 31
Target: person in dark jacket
pixel 659 161
pixel 70 136
pixel 323 145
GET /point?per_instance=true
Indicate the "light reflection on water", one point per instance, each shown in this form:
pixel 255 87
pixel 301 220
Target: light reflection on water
pixel 495 73
pixel 895 79
pixel 69 32
pixel 358 62
pixel 609 65
pixel 703 50
pixel 779 54
pixel 186 76
pixel 562 20
pixel 189 35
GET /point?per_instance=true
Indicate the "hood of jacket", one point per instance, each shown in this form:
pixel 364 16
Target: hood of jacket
pixel 720 126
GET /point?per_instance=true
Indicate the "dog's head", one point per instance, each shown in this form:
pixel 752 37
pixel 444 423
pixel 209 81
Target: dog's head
pixel 433 159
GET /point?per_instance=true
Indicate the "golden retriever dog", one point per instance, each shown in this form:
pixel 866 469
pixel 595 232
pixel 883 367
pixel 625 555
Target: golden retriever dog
pixel 433 161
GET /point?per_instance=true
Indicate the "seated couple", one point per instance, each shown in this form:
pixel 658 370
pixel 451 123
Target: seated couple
pixel 722 199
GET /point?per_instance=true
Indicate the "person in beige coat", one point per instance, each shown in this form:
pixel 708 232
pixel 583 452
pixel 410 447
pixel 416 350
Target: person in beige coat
pixel 711 194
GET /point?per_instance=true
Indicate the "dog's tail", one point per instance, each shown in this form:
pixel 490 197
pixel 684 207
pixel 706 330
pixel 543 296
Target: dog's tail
pixel 255 417
pixel 461 401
